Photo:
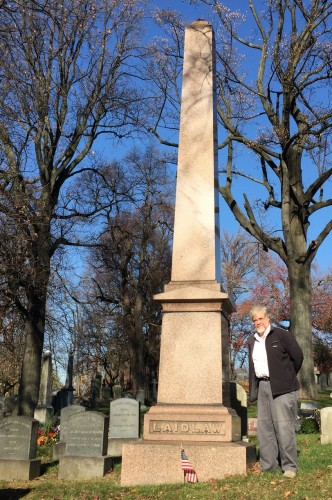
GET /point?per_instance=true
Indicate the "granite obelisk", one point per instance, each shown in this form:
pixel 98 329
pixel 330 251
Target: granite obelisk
pixel 191 410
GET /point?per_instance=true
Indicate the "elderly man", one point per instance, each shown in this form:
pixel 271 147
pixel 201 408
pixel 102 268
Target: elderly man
pixel 274 360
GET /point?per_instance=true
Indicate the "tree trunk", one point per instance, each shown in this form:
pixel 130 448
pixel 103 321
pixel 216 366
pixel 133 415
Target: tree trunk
pixel 301 324
pixel 35 311
pixel 30 375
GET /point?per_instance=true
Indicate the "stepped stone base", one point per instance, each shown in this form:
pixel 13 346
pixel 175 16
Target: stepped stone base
pixel 155 462
pixel 23 470
pixel 78 467
pixel 192 423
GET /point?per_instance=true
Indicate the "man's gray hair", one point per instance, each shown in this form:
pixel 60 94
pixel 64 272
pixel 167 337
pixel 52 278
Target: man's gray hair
pixel 259 308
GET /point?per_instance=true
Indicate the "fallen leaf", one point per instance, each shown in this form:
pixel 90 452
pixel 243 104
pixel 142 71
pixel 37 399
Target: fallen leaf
pixel 289 493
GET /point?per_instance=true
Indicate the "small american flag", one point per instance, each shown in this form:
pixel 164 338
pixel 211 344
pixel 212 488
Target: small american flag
pixel 189 471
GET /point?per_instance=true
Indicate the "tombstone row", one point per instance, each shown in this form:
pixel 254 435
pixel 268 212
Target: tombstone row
pixel 88 441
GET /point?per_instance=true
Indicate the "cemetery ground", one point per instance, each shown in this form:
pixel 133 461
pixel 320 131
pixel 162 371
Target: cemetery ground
pixel 314 479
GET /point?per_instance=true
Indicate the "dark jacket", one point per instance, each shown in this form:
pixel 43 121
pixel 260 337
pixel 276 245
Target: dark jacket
pixel 284 357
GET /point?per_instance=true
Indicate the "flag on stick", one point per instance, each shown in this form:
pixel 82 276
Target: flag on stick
pixel 189 471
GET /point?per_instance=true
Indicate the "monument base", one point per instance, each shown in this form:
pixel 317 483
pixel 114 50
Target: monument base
pixel 167 422
pixel 155 462
pixel 23 470
pixel 78 467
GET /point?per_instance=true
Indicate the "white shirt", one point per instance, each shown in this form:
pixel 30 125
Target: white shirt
pixel 259 355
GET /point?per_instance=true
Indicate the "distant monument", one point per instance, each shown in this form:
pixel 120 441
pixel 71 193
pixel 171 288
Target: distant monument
pixel 45 410
pixel 193 403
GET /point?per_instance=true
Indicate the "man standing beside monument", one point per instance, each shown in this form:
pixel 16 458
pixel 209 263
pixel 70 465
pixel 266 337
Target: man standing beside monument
pixel 274 360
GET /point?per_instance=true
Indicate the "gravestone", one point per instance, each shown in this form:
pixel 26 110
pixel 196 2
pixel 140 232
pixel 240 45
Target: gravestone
pixel 238 401
pixel 59 449
pixel 117 391
pixel 86 447
pixel 308 409
pixel 326 425
pixel 45 410
pixel 18 449
pixel 140 397
pixel 124 424
pixel 192 408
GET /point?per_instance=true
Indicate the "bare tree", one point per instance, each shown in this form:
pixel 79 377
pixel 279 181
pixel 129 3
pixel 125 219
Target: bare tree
pixel 133 260
pixel 66 79
pixel 274 65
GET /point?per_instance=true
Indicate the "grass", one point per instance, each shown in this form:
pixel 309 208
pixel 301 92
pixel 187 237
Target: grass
pixel 312 482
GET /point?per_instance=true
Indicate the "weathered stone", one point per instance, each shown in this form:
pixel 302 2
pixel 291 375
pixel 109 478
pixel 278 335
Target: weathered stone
pixel 326 425
pixel 124 418
pixel 18 448
pixel 87 434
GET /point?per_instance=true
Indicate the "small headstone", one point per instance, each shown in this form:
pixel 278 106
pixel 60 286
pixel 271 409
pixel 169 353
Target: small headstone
pixel 18 448
pixel 326 425
pixel 59 449
pixel 86 447
pixel 117 391
pixel 124 418
pixel 308 409
pixel 140 397
pixel 124 424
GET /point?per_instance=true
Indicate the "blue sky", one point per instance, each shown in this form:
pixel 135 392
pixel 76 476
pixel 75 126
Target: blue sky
pixel 228 222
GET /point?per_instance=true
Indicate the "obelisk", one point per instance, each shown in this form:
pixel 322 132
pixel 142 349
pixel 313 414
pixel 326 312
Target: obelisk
pixel 191 410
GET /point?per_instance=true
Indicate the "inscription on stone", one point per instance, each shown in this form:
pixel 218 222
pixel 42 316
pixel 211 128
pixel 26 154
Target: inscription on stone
pixel 65 414
pixel 180 427
pixel 18 438
pixel 124 418
pixel 87 434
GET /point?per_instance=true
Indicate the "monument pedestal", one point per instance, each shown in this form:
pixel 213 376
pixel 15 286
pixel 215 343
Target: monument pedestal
pixel 156 462
pixel 211 423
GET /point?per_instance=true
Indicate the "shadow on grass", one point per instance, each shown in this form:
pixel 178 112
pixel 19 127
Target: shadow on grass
pixel 45 468
pixel 13 494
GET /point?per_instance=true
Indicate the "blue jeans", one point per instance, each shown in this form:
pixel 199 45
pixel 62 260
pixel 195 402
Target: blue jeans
pixel 276 421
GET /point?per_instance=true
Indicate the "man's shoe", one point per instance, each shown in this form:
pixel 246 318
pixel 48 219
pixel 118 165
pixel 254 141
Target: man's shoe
pixel 289 474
